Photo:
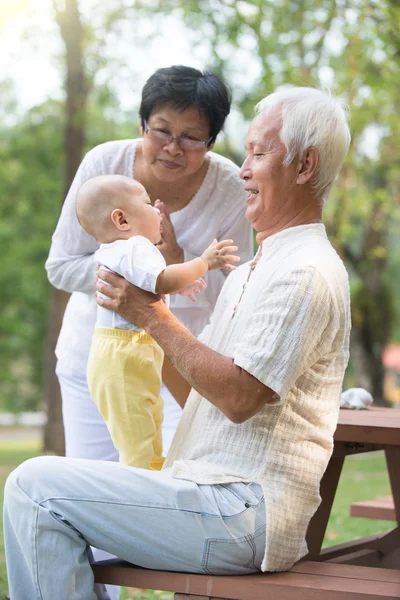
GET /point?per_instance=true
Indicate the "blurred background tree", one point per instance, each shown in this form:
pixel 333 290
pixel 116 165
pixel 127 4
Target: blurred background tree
pixel 350 46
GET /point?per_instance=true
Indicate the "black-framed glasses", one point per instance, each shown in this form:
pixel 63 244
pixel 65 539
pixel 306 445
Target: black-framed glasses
pixel 163 136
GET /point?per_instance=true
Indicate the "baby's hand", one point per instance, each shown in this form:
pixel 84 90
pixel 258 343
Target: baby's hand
pixel 218 256
pixel 193 288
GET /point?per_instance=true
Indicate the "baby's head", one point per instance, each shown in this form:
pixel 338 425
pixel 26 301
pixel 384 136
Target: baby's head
pixel 115 207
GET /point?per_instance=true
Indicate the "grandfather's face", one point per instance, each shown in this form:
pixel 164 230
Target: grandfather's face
pixel 269 183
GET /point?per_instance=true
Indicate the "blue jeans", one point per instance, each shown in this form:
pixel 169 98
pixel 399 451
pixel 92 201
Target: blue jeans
pixel 56 508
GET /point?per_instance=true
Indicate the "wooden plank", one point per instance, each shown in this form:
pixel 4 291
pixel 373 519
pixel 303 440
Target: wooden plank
pixel 319 522
pixel 267 586
pixel 379 508
pixel 348 547
pixel 375 425
pixel 364 558
pixel 393 464
pixel 190 597
pixel 342 570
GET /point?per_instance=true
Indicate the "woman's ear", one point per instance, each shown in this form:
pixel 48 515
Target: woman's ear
pixel 307 165
pixel 119 220
pixel 141 129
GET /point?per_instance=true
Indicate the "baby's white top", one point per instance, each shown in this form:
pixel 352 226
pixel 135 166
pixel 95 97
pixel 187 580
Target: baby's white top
pixel 136 259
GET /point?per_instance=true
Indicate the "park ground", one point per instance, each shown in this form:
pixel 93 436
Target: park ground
pixel 364 477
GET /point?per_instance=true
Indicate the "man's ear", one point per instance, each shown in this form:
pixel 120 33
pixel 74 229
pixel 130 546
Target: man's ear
pixel 119 220
pixel 307 165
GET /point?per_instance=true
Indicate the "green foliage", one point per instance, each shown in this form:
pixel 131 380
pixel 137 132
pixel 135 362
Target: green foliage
pixel 352 46
pixel 31 187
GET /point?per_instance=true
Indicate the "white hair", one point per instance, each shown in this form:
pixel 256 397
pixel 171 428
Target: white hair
pixel 312 117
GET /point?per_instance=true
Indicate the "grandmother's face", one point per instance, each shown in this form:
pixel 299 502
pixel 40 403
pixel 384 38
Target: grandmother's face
pixel 169 161
pixel 270 184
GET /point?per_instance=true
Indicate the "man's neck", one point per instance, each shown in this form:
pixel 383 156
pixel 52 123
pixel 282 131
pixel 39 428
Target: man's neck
pixel 308 215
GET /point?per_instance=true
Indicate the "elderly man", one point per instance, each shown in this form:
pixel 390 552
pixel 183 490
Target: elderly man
pixel 241 481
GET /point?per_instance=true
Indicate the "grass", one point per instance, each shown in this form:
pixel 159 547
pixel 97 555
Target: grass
pixel 364 477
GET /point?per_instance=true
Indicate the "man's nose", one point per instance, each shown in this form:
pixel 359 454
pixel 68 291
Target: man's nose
pixel 245 170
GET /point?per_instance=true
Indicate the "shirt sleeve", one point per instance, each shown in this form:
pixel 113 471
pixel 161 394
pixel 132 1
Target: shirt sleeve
pixel 291 328
pixel 70 265
pixel 141 264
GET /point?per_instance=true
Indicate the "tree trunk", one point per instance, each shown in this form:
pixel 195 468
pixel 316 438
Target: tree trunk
pixel 68 19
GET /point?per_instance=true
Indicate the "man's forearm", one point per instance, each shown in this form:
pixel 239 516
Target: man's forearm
pixel 235 392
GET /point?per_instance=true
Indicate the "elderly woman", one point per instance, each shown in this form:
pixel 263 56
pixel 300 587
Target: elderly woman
pixel 201 198
pixel 241 480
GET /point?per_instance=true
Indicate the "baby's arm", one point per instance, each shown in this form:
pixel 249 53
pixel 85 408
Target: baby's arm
pixel 216 256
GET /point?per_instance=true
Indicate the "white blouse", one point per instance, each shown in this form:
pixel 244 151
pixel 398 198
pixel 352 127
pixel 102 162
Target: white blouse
pixel 216 211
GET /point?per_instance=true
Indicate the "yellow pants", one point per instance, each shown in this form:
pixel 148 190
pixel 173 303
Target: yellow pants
pixel 124 378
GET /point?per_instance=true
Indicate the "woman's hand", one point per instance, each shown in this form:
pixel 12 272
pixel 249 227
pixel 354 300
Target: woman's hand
pixel 132 303
pixel 168 246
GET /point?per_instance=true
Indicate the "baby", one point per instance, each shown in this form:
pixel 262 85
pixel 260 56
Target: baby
pixel 124 368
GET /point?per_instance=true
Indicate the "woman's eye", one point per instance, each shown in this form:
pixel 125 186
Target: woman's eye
pixel 190 137
pixel 163 131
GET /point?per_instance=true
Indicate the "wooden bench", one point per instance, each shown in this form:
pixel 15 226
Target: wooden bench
pixel 380 508
pixel 307 580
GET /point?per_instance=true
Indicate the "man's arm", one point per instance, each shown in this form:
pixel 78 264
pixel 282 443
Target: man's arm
pixel 231 389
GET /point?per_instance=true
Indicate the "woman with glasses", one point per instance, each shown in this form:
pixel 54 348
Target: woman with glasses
pixel 200 197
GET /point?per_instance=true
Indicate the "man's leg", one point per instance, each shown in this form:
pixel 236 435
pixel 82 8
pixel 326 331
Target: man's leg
pixel 86 434
pixel 56 507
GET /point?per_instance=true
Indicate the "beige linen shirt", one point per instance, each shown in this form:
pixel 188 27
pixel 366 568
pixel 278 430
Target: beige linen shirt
pixel 291 331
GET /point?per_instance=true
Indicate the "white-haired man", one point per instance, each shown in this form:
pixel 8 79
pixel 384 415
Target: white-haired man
pixel 241 481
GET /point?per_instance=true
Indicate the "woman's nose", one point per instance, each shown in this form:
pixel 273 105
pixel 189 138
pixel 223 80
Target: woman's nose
pixel 173 147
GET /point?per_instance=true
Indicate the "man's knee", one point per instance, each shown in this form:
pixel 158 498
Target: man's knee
pixel 31 477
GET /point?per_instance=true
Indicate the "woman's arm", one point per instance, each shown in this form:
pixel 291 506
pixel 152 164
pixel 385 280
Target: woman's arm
pixel 70 265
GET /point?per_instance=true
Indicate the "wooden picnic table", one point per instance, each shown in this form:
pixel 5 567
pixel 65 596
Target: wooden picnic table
pixel 360 431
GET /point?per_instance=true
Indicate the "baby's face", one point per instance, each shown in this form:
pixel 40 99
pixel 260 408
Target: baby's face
pixel 144 218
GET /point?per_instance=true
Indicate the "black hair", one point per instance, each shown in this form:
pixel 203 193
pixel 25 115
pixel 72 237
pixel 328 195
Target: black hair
pixel 181 87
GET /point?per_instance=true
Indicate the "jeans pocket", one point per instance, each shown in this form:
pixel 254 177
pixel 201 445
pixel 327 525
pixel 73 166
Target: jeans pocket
pixel 241 555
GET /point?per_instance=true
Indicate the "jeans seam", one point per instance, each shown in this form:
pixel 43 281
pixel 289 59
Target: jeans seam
pixel 35 570
pixel 204 514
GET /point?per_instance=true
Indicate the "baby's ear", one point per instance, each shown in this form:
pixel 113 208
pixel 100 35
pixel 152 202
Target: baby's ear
pixel 119 220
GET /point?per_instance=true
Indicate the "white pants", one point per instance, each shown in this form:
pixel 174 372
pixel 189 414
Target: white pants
pixel 86 434
pixel 54 508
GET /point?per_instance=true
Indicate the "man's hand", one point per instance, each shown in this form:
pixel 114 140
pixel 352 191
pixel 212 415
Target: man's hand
pixel 218 256
pixel 168 246
pixel 132 303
